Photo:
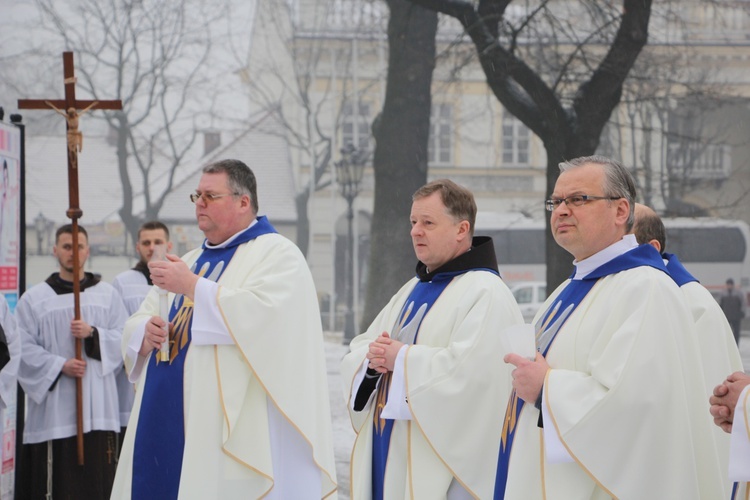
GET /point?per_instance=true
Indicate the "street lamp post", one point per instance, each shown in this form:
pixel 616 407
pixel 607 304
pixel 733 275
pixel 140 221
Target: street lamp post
pixel 349 170
pixel 40 226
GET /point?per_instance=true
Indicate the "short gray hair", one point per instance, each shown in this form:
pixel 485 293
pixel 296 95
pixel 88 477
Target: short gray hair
pixel 240 178
pixel 459 201
pixel 618 182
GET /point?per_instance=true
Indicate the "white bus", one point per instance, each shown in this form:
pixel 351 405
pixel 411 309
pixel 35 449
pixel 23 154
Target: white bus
pixel 711 249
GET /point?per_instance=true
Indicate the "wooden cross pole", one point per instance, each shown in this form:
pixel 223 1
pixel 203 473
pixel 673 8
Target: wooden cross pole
pixel 69 108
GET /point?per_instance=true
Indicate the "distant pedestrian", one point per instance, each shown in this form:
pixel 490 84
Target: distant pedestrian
pixel 733 304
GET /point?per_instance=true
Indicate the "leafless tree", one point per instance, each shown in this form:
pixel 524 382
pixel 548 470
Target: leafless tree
pixel 401 135
pixel 320 82
pixel 154 56
pixel 557 66
pixel 287 82
pixel 681 118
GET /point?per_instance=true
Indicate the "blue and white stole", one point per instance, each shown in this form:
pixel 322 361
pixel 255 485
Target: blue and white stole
pixel 550 324
pixel 415 308
pixel 677 271
pixel 160 433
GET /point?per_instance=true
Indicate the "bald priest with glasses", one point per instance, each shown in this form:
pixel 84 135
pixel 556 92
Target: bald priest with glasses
pixel 613 406
pixel 238 406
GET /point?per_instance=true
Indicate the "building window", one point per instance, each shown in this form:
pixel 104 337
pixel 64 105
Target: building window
pixel 516 141
pixel 694 148
pixel 359 137
pixel 695 160
pixel 357 14
pixel 439 147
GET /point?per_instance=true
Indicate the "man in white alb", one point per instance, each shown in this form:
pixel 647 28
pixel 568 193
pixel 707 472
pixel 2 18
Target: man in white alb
pixel 48 373
pixel 240 408
pixel 133 285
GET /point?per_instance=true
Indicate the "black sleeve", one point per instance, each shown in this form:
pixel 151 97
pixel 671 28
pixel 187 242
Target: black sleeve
pixel 92 347
pixel 365 389
pixel 538 406
pixel 55 382
pixel 4 353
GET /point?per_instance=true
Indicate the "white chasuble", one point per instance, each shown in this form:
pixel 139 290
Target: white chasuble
pixel 626 397
pixel 240 398
pixel 456 385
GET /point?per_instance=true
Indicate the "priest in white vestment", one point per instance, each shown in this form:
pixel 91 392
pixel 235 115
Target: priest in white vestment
pixel 718 350
pixel 425 384
pixel 239 408
pixel 618 378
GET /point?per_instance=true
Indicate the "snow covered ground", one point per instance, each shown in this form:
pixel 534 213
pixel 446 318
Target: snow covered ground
pixel 343 434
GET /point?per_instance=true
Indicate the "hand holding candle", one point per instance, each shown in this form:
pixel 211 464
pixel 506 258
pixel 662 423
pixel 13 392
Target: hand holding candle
pixel 160 253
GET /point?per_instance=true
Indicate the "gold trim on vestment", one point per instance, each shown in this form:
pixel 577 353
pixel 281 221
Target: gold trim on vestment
pixel 268 394
pixel 559 436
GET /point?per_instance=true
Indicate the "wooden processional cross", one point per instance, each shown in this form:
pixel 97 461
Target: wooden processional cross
pixel 69 108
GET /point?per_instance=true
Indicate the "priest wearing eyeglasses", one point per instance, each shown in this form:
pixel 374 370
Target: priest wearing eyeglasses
pixel 240 409
pixel 614 404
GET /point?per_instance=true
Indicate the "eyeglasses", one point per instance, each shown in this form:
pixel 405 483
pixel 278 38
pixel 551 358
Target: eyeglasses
pixel 576 201
pixel 194 197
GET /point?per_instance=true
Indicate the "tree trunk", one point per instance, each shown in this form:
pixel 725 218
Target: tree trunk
pixel 303 221
pixel 568 131
pixel 559 262
pixel 132 224
pixel 400 161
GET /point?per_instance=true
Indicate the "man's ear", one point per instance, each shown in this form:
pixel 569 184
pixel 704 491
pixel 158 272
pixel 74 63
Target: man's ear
pixel 623 211
pixel 463 229
pixel 655 243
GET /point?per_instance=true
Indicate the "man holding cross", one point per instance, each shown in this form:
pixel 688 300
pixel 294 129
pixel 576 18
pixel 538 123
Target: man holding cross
pixel 49 372
pixel 74 212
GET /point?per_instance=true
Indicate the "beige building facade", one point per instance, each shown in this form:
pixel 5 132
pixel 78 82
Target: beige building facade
pixel 685 134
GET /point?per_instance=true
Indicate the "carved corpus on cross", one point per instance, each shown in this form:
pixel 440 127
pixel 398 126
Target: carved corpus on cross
pixel 69 108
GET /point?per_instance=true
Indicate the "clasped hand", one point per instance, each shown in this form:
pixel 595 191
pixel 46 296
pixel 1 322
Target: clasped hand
pixel 382 353
pixel 724 399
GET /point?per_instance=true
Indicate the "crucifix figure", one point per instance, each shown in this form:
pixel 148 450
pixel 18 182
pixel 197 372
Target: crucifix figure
pixel 75 136
pixel 75 143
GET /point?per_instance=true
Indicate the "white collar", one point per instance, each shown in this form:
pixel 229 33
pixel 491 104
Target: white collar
pixel 226 242
pixel 584 267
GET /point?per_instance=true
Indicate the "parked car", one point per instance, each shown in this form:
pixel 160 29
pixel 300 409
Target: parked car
pixel 530 296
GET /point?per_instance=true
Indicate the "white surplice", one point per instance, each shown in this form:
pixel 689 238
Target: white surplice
pixel 43 319
pixel 9 373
